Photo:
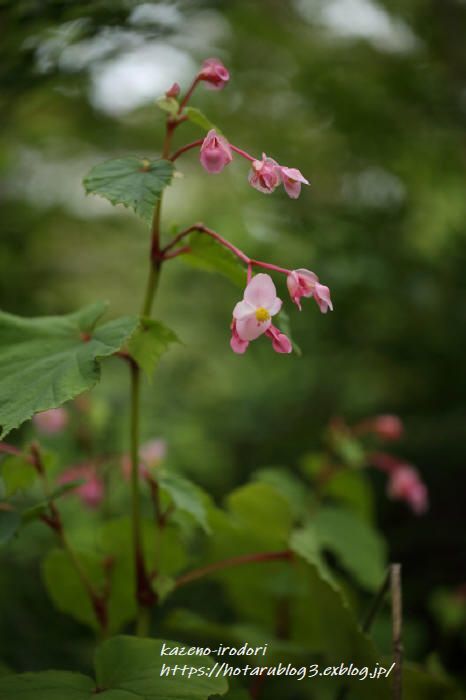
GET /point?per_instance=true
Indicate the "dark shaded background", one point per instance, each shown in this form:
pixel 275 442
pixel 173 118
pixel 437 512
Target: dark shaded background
pixel 369 101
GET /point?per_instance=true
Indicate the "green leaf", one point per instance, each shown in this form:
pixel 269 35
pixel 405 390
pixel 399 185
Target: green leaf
pixel 47 361
pixel 197 117
pixel 65 587
pixel 151 340
pixel 209 255
pixel 351 487
pixel 48 685
pixel 10 521
pixel 17 475
pixel 127 668
pixel 187 497
pixel 357 545
pixel 136 183
pixel 297 493
pixel 305 543
pixel 169 105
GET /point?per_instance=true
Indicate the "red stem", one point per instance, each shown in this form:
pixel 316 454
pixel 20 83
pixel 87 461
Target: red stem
pixel 236 251
pixel 183 149
pixel 232 561
pixel 242 153
pixel 190 91
pixel 11 450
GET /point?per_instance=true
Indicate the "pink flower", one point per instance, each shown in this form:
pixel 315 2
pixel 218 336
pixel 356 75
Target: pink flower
pixel 386 427
pixel 92 491
pixel 215 152
pixel 280 342
pixel 253 316
pixel 153 452
pixel 264 175
pixel 52 421
pixel 292 180
pixel 214 73
pixel 405 484
pixel 304 283
pixel 174 91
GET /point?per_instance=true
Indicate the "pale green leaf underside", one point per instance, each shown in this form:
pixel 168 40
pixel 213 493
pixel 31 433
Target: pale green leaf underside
pixel 136 183
pixel 150 342
pixel 47 361
pixel 126 669
pixel 207 254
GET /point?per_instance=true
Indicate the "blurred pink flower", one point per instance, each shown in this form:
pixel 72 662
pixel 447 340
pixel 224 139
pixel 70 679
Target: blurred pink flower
pixel 92 491
pixel 151 454
pixel 405 484
pixel 253 315
pixel 387 427
pixel 292 180
pixel 215 152
pixel 304 283
pixel 214 73
pixel 52 421
pixel 264 175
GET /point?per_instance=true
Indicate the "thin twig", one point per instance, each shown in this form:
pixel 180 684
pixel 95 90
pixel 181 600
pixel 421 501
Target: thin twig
pixel 232 561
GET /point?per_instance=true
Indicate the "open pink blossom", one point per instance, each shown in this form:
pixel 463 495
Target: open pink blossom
pixel 405 484
pixel 52 421
pixel 215 152
pixel 304 283
pixel 253 315
pixel 264 174
pixel 292 180
pixel 92 491
pixel 280 342
pixel 214 73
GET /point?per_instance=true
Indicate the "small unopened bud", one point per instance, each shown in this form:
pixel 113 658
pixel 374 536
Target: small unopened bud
pixel 174 91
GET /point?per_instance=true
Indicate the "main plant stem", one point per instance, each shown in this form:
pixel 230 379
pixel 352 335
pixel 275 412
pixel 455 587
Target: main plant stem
pixel 145 595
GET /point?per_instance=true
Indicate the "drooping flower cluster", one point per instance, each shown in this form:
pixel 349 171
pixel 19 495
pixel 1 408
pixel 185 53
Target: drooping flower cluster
pixel 92 491
pixel 404 481
pixel 265 174
pixel 252 317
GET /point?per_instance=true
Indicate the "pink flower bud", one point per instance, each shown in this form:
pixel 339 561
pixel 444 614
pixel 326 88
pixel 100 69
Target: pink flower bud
pixel 174 91
pixel 52 421
pixel 236 343
pixel 406 485
pixel 214 73
pixel 264 175
pixel 292 180
pixel 304 283
pixel 253 315
pixel 215 152
pixel 280 342
pixel 92 491
pixel 387 427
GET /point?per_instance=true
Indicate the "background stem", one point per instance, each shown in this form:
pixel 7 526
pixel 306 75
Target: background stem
pixel 397 624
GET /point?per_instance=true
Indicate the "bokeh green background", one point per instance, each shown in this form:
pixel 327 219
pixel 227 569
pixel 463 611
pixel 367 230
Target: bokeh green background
pixel 369 101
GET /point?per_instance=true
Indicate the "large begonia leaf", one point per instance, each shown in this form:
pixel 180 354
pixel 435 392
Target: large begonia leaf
pixel 136 183
pixel 47 361
pixel 126 669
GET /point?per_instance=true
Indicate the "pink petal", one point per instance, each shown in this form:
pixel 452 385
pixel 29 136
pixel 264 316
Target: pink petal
pixel 261 291
pixel 275 307
pixel 243 309
pixel 250 328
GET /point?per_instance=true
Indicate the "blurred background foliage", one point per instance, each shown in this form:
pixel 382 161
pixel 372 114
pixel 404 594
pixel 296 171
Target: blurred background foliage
pixel 368 99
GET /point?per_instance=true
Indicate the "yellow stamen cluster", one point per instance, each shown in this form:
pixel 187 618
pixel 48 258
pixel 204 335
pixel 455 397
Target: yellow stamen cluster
pixel 262 314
